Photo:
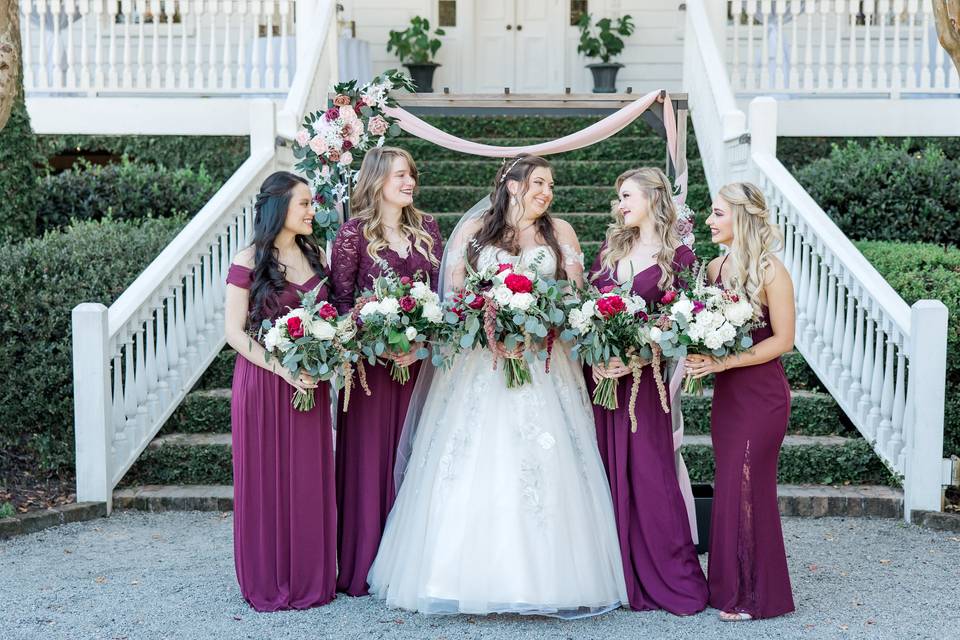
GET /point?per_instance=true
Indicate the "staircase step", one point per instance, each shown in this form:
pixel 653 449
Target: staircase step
pixel 205 458
pixel 812 414
pixel 480 171
pixel 645 150
pixel 795 500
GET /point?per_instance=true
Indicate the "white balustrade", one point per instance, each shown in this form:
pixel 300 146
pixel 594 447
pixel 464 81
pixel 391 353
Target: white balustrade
pixel 882 360
pixel 159 47
pixel 135 362
pixel 885 47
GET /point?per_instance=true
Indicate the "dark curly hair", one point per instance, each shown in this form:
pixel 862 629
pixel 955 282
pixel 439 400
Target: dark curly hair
pixel 270 215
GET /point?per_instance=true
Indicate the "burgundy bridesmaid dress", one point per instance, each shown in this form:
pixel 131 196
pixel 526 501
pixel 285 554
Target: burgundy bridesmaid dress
pixel 747 563
pixel 369 432
pixel 660 562
pixel 284 519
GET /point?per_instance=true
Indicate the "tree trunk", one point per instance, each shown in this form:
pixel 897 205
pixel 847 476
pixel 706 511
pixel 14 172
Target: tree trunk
pixel 946 14
pixel 11 77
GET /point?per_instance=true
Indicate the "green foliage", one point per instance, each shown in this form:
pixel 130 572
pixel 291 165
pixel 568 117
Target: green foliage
pixel 198 464
pixel 219 374
pixel 125 191
pixel 7 510
pixel 810 415
pixel 925 271
pixel 799 373
pixel 219 156
pixel 605 43
pixel 414 45
pixel 19 168
pixel 885 192
pixel 42 280
pixel 797 152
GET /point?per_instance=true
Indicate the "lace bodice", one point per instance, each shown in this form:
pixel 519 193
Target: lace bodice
pixel 541 255
pixel 353 269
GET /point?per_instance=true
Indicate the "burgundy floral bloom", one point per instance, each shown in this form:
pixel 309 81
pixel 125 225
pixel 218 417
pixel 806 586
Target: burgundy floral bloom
pixel 327 312
pixel 295 327
pixel 698 307
pixel 332 113
pixel 408 304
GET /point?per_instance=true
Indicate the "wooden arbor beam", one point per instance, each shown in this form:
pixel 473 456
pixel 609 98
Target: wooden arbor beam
pixel 946 14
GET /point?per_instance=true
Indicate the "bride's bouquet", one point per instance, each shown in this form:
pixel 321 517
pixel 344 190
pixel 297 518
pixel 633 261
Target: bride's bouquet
pixel 515 307
pixel 313 339
pixel 396 315
pixel 703 319
pixel 612 322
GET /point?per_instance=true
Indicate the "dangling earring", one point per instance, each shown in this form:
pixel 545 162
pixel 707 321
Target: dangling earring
pixel 513 200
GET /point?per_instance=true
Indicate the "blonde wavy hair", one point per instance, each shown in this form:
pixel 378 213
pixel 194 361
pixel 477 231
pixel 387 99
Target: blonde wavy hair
pixel 755 239
pixel 620 237
pixel 368 194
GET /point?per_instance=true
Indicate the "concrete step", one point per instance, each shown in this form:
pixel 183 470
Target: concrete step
pixel 794 500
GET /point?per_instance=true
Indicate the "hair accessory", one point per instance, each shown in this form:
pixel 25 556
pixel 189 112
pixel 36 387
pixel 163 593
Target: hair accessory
pixel 504 176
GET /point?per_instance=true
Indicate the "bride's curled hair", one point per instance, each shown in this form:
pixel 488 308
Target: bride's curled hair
pixel 496 229
pixel 755 239
pixel 368 193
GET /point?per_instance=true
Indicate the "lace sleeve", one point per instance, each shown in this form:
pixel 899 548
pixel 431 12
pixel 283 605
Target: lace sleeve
pixel 433 228
pixel 344 265
pixel 571 257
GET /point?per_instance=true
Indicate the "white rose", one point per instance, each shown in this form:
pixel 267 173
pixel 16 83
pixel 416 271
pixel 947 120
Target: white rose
pixel 589 309
pixel 576 319
pixel 273 338
pixel 432 312
pixel 390 306
pixel 502 295
pixel 655 334
pixel 695 332
pixel 323 330
pixel 706 319
pixel 420 291
pixel 411 333
pixel 521 301
pixel 369 309
pixel 682 307
pixel 738 313
pixel 713 340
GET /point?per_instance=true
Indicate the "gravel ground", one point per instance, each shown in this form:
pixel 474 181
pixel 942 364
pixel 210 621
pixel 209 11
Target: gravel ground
pixel 170 575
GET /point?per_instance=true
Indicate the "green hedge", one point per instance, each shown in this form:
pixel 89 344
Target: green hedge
pixel 42 280
pixel 642 151
pixel 124 191
pixel 480 172
pixel 504 126
pixel 218 155
pixel 19 167
pixel 796 152
pixel 885 192
pixel 924 271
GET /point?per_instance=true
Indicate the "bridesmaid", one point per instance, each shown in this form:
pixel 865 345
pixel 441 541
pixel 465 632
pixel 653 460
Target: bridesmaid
pixel 751 407
pixel 659 558
pixel 386 230
pixel 284 502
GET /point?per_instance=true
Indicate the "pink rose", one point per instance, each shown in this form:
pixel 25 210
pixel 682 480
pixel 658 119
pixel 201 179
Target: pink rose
pixel 406 280
pixel 346 158
pixel 341 100
pixel 607 289
pixel 377 126
pixel 302 137
pixel 504 266
pixel 333 155
pixel 318 145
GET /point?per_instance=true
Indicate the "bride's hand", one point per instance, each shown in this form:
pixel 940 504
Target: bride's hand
pixel 408 358
pixel 615 369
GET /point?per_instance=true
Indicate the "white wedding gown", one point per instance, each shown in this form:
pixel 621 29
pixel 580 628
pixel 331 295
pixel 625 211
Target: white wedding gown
pixel 505 505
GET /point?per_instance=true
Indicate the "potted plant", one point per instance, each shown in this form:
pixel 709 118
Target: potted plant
pixel 604 44
pixel 416 48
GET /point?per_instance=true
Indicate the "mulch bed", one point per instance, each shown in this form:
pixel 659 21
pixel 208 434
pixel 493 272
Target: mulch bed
pixel 28 490
pixel 953 500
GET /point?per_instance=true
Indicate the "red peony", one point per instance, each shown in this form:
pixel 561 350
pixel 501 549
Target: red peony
pixel 327 312
pixel 518 283
pixel 408 304
pixel 668 297
pixel 295 327
pixel 611 306
pixel 504 266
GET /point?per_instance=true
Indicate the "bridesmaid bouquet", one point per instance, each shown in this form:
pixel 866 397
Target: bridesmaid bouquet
pixel 612 322
pixel 394 316
pixel 705 319
pixel 312 338
pixel 514 307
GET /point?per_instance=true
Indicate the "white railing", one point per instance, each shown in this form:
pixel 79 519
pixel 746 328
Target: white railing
pixel 844 47
pixel 720 125
pixel 882 360
pixel 206 47
pixel 135 362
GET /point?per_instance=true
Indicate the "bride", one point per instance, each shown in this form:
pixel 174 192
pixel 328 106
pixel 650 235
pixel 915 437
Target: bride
pixel 503 505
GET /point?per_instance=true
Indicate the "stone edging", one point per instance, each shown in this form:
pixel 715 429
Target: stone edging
pixel 38 520
pixel 936 520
